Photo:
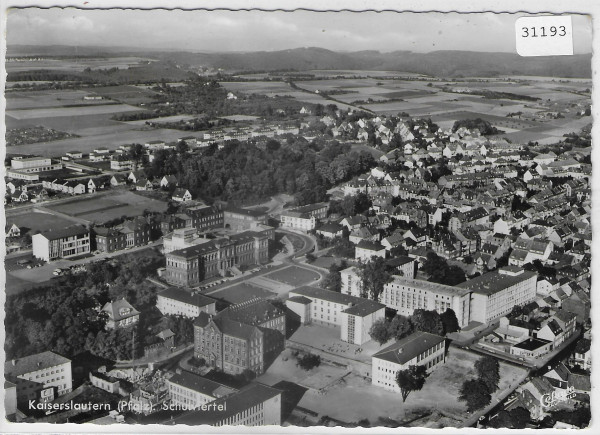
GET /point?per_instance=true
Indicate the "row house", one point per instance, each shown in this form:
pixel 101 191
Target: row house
pixel 72 187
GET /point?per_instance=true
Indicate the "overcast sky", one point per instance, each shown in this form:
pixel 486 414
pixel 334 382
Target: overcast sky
pixel 256 31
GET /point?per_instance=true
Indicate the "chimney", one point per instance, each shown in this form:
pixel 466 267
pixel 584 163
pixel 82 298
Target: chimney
pixel 400 350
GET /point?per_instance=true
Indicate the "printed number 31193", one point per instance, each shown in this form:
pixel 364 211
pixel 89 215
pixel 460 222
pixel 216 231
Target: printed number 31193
pixel 534 32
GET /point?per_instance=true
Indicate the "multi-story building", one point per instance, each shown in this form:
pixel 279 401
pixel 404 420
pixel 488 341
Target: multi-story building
pixel 182 238
pixel 40 377
pixel 406 295
pixel 179 302
pixel 241 219
pixel 304 218
pixel 129 234
pixel 62 243
pixel 190 391
pixel 351 282
pixel 190 266
pixel 205 217
pixel 246 336
pixel 418 349
pixel 28 165
pixel 365 250
pixel 354 315
pixel 254 405
pixel 494 294
pixel 120 314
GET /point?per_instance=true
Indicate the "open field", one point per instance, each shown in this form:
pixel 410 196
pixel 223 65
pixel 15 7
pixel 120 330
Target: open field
pixel 104 209
pixel 37 221
pixel 294 276
pixel 127 94
pixel 74 64
pixel 242 292
pixel 108 138
pixel 53 98
pixel 70 111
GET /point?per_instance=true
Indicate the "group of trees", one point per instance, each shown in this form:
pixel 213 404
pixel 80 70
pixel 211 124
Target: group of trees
pixel 484 127
pixel 351 205
pixel 477 392
pixel 242 172
pixel 333 280
pixel 308 361
pixel 422 320
pixel 439 271
pixel 64 316
pixel 374 275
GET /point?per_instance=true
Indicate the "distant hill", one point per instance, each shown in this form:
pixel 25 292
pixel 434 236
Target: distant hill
pixel 437 63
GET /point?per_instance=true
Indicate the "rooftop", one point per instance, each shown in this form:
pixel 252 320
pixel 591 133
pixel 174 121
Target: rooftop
pixel 120 309
pixel 409 347
pixel 201 385
pixel 32 363
pixel 237 402
pixel 186 297
pixel 429 286
pixel 75 230
pixel 532 344
pixel 356 306
pixel 494 282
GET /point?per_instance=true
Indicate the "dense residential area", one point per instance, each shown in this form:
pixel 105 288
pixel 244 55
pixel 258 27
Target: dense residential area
pixel 243 256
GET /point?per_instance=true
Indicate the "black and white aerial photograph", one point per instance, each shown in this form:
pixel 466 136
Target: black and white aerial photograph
pixel 302 219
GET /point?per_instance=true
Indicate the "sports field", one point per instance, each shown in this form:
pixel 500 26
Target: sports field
pixel 37 221
pixel 294 276
pixel 104 209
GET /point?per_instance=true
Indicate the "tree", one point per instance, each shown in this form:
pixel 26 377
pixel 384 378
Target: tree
pixel 450 321
pixel 309 361
pixel 374 276
pixel 427 321
pixel 380 331
pixel 400 327
pixel 488 372
pixel 411 379
pixel 475 393
pixel 519 417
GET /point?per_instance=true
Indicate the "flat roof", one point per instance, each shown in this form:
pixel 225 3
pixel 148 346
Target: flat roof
pixel 532 344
